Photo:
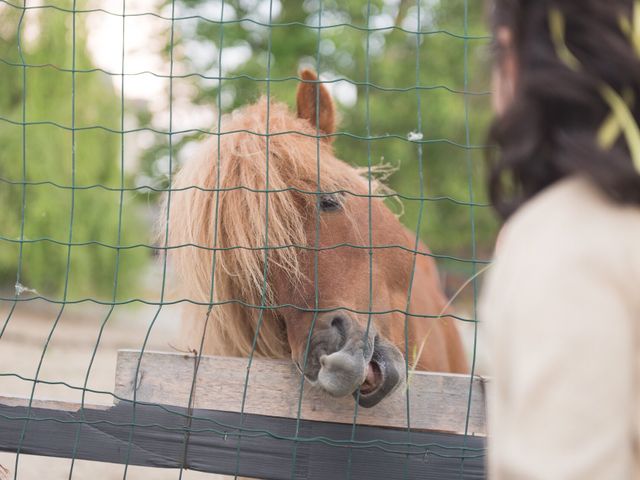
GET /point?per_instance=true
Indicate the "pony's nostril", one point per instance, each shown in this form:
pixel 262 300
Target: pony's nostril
pixel 339 322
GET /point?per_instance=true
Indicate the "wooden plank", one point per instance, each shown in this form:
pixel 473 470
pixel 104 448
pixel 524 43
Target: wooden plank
pixel 49 404
pixel 437 402
pixel 221 442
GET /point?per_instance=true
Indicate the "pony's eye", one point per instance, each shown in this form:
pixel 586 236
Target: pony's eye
pixel 330 202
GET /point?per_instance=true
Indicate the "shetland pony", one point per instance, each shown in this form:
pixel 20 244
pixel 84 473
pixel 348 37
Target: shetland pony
pixel 270 237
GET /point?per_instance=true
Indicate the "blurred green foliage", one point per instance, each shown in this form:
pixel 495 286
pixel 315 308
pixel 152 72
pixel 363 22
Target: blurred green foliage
pixel 47 157
pixel 447 59
pixel 389 83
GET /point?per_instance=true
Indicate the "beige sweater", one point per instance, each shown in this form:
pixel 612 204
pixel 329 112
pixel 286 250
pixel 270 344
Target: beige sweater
pixel 561 313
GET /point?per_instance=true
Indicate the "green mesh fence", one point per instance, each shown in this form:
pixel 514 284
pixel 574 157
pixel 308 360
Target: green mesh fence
pixel 83 166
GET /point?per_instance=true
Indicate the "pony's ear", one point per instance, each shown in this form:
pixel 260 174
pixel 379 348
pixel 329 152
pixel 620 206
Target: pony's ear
pixel 308 98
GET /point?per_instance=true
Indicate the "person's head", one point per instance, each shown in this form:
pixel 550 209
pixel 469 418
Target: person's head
pixel 554 59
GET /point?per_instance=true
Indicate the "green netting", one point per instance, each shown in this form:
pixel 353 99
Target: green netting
pixel 440 83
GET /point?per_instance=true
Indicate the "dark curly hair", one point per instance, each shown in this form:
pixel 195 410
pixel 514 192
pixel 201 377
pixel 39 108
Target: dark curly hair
pixel 550 128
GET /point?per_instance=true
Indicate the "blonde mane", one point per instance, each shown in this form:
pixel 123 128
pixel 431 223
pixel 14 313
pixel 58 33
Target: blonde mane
pixel 236 164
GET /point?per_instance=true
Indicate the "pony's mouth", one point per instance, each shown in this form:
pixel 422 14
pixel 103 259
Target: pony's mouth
pixel 383 374
pixel 373 380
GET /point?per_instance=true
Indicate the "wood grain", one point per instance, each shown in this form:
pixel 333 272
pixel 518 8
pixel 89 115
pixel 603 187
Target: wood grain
pixel 16 401
pixel 437 402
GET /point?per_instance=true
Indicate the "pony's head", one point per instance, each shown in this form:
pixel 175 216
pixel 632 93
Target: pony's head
pixel 271 236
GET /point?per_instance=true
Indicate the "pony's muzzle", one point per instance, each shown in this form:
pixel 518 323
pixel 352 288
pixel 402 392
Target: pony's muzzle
pixel 369 378
pixel 348 358
pixel 341 352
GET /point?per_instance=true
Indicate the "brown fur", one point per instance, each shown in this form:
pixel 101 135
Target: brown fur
pixel 307 100
pixel 237 164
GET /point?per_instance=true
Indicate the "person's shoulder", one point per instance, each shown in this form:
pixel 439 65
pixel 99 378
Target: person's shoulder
pixel 571 204
pixel 573 217
pixel 567 235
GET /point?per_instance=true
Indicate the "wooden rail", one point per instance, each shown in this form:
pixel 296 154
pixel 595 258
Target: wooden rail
pixel 437 402
pixel 161 430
